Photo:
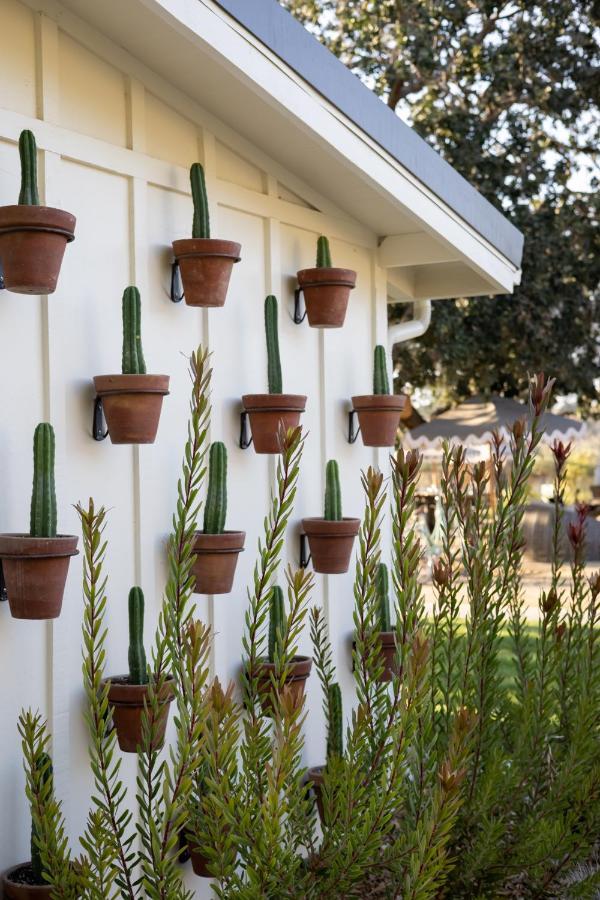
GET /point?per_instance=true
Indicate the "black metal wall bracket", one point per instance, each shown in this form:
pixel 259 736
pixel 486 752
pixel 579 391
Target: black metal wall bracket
pixel 3 592
pixel 353 431
pixel 299 316
pixel 245 436
pixel 99 429
pixel 177 293
pixel 305 554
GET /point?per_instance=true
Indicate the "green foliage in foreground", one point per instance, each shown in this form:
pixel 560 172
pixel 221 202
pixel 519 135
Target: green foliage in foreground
pixel 451 781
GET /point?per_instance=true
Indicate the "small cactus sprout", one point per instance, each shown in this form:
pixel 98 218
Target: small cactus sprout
pixel 201 224
pixel 323 253
pixel 276 620
pixel 381 384
pixel 274 361
pixel 138 670
pixel 383 597
pixel 28 152
pixel 333 493
pixel 43 496
pixel 133 355
pixel 215 510
pixel 43 765
pixel 335 736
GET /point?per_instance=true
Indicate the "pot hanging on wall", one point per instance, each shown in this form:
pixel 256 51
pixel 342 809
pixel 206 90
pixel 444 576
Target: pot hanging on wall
pixel 331 538
pixel 127 702
pixel 35 565
pixel 379 413
pixel 299 671
pixel 326 289
pixel 205 263
pixel 132 401
pixel 273 413
pixel 216 549
pixel 33 238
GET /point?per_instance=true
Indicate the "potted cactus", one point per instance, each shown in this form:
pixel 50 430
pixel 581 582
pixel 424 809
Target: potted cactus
pixel 132 401
pixel 127 693
pixel 205 263
pixel 300 666
pixel 379 412
pixel 35 565
pixel 271 412
pixel 216 550
pixel 331 538
pixel 386 635
pixel 27 879
pixel 32 237
pixel 335 744
pixel 326 290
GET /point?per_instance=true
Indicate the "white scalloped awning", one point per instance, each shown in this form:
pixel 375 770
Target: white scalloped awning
pixel 473 422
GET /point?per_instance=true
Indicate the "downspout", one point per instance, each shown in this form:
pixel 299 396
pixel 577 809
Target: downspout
pixel 407 331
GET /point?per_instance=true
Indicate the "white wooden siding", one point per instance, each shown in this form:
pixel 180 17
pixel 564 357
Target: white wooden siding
pixel 114 150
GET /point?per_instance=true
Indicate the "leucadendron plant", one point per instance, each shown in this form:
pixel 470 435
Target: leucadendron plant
pixel 473 772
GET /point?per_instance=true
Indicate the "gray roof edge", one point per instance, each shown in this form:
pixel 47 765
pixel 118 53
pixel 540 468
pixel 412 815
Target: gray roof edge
pixel 292 43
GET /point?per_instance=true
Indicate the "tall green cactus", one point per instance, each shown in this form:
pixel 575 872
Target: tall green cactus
pixel 335 734
pixel 138 669
pixel 333 492
pixel 28 152
pixel 43 496
pixel 43 764
pixel 276 620
pixel 323 253
pixel 201 224
pixel 133 354
pixel 383 597
pixel 274 361
pixel 381 384
pixel 215 510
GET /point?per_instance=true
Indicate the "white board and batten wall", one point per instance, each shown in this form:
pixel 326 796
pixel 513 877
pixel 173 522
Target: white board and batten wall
pixel 115 145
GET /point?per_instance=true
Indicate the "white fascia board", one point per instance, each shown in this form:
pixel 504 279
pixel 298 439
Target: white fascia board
pixel 220 36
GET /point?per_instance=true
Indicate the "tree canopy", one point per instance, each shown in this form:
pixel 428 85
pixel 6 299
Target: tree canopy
pixel 508 93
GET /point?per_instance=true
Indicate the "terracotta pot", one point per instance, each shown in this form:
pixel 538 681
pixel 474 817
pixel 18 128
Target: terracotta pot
pixel 379 417
pixel 216 561
pixel 35 573
pixel 300 669
pixel 387 640
pixel 331 543
pixel 269 413
pixel 22 890
pixel 316 775
pixel 32 246
pixel 200 864
pixel 205 266
pixel 326 293
pixel 132 405
pixel 127 706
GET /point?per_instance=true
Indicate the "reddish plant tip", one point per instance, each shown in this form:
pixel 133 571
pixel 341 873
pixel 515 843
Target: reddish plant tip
pixel 561 453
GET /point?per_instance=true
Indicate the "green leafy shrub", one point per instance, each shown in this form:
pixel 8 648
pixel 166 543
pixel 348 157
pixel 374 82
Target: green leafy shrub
pixel 451 780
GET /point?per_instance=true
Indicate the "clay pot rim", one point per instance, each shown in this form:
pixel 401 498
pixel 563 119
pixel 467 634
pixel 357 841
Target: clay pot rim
pixel 37 547
pixel 379 402
pixel 274 402
pixel 139 691
pixel 140 384
pixel 331 275
pixel 6 879
pixel 206 247
pixel 213 539
pixel 19 217
pixel 316 773
pixel 323 528
pixel 304 663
